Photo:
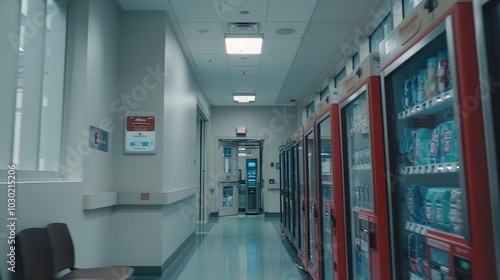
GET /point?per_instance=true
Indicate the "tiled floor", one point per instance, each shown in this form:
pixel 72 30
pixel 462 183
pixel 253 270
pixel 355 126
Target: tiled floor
pixel 240 248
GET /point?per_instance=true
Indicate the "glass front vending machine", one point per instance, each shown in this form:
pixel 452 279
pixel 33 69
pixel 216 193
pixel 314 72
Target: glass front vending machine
pixel 330 191
pixel 439 195
pixel 487 22
pixel 364 174
pixel 312 228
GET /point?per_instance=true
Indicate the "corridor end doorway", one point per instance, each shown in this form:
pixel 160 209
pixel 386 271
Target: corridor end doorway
pixel 240 184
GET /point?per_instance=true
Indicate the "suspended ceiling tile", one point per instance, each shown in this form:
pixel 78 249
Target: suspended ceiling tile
pixel 243 59
pixel 339 10
pixel 201 30
pixel 244 87
pixel 231 10
pixel 195 11
pixel 273 70
pixel 280 46
pixel 281 30
pixel 277 59
pixel 244 71
pixel 290 10
pixel 210 62
pixel 244 79
pixel 271 79
pixel 206 46
pixel 271 87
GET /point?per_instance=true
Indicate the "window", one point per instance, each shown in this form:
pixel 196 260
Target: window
pixel 310 109
pixel 41 42
pixel 355 60
pixel 409 5
pixel 379 34
pixel 340 76
pixel 324 93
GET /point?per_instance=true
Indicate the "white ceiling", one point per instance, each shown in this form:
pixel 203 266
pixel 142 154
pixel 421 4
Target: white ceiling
pixel 290 65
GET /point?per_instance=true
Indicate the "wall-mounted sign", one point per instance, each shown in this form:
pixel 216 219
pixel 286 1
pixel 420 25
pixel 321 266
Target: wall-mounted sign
pixel 98 139
pixel 140 132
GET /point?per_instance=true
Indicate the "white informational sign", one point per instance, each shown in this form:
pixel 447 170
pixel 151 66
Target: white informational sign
pixel 140 132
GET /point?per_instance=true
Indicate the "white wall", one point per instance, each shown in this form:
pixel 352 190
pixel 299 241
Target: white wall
pixel 89 89
pixel 147 45
pixel 274 124
pixel 10 14
pixel 108 56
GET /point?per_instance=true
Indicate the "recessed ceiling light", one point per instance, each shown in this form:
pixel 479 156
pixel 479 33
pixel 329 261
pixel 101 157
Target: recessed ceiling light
pixel 244 12
pixel 285 31
pixel 244 97
pixel 243 45
pixel 203 31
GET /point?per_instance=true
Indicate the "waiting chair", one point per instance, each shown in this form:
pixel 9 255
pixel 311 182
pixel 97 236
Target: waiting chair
pixel 34 255
pixel 64 257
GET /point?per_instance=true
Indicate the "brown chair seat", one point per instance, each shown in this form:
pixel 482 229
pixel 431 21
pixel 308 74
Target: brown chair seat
pixel 110 273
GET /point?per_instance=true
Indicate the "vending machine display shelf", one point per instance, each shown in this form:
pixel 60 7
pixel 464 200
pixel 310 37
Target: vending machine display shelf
pixel 430 106
pixel 417 228
pixel 415 277
pixel 450 167
pixel 361 127
pixel 362 167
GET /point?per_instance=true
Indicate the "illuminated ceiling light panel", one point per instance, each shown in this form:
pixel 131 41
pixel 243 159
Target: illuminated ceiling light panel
pixel 243 45
pixel 244 98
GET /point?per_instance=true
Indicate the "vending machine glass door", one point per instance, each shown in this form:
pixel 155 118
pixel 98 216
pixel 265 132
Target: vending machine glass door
pixel 311 186
pixel 301 195
pixel 424 152
pixel 488 20
pixel 359 195
pixel 326 191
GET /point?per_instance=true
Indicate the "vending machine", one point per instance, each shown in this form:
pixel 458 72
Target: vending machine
pixel 435 148
pixel 291 192
pixel 365 193
pixel 313 219
pixel 487 23
pixel 299 190
pixel 282 187
pixel 253 192
pixel 329 174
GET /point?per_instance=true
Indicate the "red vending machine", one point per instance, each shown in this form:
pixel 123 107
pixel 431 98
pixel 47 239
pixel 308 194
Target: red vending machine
pixel 284 150
pixel 331 193
pixel 439 199
pixel 313 219
pixel 365 202
pixel 299 191
pixel 487 22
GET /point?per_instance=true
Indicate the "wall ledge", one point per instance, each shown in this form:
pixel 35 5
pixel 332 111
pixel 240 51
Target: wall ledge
pixel 156 198
pixel 92 201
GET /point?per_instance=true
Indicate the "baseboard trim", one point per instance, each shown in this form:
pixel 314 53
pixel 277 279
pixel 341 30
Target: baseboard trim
pixel 214 215
pixel 170 263
pixel 268 214
pixel 147 271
